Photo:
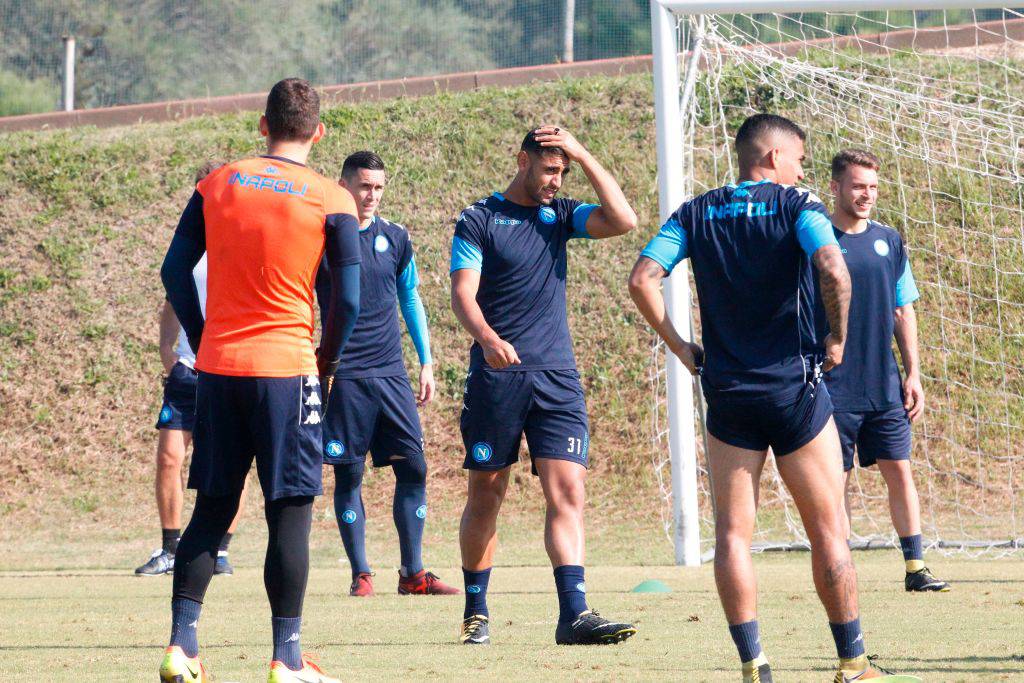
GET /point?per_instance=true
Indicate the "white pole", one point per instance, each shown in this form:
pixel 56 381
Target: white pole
pixel 69 73
pixel 568 30
pixel 671 192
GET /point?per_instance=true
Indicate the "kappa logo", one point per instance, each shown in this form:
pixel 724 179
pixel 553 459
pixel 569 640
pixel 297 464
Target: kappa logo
pixel 313 400
pixel 547 215
pixel 881 247
pixel 293 638
pixel 334 449
pixel 421 512
pixel 349 516
pixel 482 451
pixel 380 244
pixel 312 381
pixel 313 418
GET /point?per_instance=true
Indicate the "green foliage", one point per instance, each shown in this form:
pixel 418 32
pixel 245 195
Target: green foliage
pixel 25 96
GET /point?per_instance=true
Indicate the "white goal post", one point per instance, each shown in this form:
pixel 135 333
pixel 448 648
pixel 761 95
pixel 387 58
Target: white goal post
pixel 674 95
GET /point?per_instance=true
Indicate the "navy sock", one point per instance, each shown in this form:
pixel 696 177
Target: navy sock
pixel 572 593
pixel 849 639
pixel 184 620
pixel 748 642
pixel 224 543
pixel 286 641
pixel 476 592
pixel 348 507
pixel 410 511
pixel 912 547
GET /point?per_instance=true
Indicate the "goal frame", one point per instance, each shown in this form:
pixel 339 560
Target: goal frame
pixel 671 100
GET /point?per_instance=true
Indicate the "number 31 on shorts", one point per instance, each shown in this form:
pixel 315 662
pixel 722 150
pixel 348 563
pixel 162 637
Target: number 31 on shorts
pixel 577 446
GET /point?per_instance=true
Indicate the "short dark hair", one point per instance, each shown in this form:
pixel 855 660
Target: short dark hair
pixel 371 161
pixel 534 148
pixel 853 157
pixel 293 110
pixel 759 126
pixel 207 168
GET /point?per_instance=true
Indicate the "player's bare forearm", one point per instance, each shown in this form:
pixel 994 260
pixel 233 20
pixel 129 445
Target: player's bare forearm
pixel 497 352
pixel 614 216
pixel 645 290
pixel 834 281
pixel 465 284
pixel 905 331
pixel 168 336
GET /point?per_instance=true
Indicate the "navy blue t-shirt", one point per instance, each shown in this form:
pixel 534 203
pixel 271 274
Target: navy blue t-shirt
pixel 375 347
pixel 750 246
pixel 520 253
pixel 869 379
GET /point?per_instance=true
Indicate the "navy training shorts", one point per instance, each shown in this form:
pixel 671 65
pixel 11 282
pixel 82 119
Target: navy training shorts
pixel 874 435
pixel 375 414
pixel 179 407
pixel 275 420
pixel 759 424
pixel 500 406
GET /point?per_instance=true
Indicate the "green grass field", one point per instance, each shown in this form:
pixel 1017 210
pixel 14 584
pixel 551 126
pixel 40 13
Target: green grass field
pixel 103 624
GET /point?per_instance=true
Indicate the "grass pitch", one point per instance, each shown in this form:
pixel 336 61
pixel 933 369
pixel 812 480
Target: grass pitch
pixel 105 624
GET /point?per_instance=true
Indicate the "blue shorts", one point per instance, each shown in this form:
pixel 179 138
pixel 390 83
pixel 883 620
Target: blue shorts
pixel 179 408
pixel 759 424
pixel 375 414
pixel 499 406
pixel 275 420
pixel 875 435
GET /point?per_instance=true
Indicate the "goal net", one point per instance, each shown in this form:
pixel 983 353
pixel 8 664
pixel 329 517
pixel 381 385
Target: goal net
pixel 939 96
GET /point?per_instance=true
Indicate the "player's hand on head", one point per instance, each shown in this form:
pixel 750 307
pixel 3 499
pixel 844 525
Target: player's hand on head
pixel 500 354
pixel 554 136
pixel 833 353
pixel 913 397
pixel 427 385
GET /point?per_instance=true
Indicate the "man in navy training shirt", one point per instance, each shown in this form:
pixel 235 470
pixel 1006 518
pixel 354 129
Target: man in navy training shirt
pixel 751 245
pixel 508 274
pixel 873 409
pixel 373 407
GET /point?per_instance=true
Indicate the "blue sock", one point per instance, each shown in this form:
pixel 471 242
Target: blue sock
pixel 410 511
pixel 184 619
pixel 476 592
pixel 286 641
pixel 912 547
pixel 348 508
pixel 572 592
pixel 748 642
pixel 849 639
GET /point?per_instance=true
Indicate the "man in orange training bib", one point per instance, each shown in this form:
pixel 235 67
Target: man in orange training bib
pixel 264 224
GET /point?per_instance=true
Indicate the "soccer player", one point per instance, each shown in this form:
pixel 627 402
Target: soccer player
pixel 873 408
pixel 373 407
pixel 264 223
pixel 751 244
pixel 508 273
pixel 175 421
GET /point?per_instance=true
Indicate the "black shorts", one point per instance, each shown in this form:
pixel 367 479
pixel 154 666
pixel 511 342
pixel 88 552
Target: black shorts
pixel 756 425
pixel 275 420
pixel 500 406
pixel 375 414
pixel 874 435
pixel 179 407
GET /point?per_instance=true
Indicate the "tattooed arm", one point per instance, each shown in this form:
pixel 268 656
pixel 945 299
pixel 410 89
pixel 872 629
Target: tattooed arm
pixel 834 282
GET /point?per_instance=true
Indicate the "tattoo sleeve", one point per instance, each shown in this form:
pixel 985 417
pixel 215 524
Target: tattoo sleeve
pixel 834 281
